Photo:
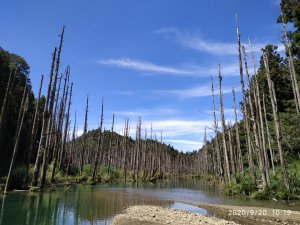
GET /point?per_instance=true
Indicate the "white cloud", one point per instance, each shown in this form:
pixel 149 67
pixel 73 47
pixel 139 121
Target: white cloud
pixel 183 134
pixel 184 144
pixel 188 70
pixel 195 41
pixel 148 112
pixel 200 91
pixel 144 66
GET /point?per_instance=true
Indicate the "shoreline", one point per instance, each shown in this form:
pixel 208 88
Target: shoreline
pixel 222 214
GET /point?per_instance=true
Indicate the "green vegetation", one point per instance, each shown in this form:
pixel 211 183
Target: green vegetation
pixel 244 185
pixel 258 156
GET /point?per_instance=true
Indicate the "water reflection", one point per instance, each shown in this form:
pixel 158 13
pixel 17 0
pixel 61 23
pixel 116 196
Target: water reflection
pixel 78 205
pixel 85 204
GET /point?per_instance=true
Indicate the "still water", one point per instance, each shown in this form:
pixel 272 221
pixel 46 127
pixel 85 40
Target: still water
pixel 85 204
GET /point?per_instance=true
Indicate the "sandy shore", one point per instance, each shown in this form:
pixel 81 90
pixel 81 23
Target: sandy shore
pixel 154 215
pixel 254 215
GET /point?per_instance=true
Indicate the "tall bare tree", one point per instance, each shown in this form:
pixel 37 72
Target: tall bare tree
pixel 244 107
pixel 223 128
pixel 276 121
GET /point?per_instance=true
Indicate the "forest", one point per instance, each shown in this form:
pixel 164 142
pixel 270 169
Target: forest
pixel 257 155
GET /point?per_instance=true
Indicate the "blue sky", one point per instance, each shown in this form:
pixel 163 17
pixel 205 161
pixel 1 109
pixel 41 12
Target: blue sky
pixel 149 58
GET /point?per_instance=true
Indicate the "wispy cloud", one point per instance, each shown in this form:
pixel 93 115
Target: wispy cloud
pixel 200 91
pixel 148 112
pixel 144 66
pixel 229 69
pixel 185 144
pixel 183 134
pixel 195 41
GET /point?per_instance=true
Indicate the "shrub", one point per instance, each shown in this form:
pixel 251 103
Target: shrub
pixel 261 195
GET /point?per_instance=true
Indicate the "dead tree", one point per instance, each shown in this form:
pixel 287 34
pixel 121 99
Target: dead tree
pixel 110 143
pixel 237 135
pixel 260 115
pixel 253 121
pixel 51 118
pixel 223 128
pixel 22 114
pixel 276 121
pixel 245 108
pixel 65 135
pixel 42 142
pixel 72 147
pixel 217 146
pixel 84 135
pixel 231 154
pixel 273 159
pixel 125 136
pixel 34 128
pixel 291 66
pixel 99 145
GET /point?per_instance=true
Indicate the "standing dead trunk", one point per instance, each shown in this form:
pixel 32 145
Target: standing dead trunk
pixel 245 110
pixel 110 144
pixel 51 118
pixel 276 121
pixel 34 129
pixel 291 66
pixel 42 142
pixel 72 147
pixel 237 135
pixel 268 136
pixel 217 146
pixel 22 114
pixel 99 145
pixel 223 128
pixel 260 116
pixel 62 152
pixel 233 168
pixel 258 148
pixel 84 135
pixel 126 133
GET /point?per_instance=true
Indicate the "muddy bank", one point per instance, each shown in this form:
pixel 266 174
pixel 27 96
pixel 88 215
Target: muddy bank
pixel 154 215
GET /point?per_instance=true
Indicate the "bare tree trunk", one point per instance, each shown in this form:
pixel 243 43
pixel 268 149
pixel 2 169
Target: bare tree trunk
pixel 110 143
pixel 276 121
pixel 51 105
pixel 99 145
pixel 62 152
pixel 253 121
pixel 22 113
pixel 223 128
pixel 34 129
pixel 268 135
pixel 260 122
pixel 72 147
pixel 245 110
pixel 219 163
pixel 237 135
pixel 42 142
pixel 292 71
pixel 233 169
pixel 126 133
pixel 84 134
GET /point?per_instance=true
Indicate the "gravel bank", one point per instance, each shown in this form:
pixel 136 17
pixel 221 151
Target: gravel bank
pixel 154 215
